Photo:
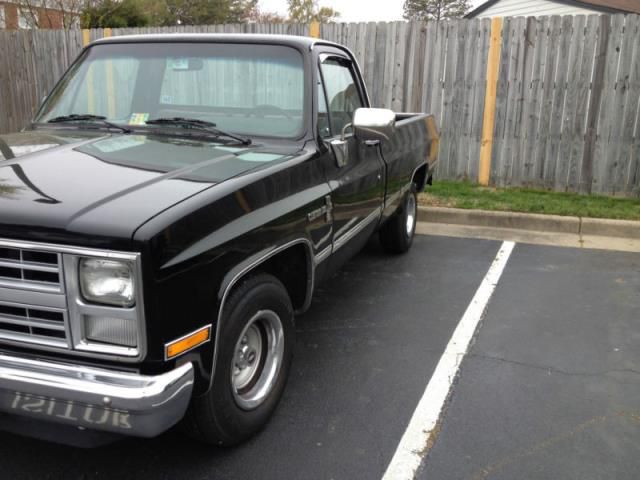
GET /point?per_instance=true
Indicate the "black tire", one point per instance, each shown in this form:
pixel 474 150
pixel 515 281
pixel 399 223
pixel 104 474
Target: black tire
pixel 396 236
pixel 218 418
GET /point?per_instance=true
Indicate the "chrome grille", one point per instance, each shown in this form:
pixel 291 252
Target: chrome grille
pixel 33 306
pixel 33 324
pixel 41 304
pixel 30 269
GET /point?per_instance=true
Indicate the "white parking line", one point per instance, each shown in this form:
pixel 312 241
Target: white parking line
pixel 415 441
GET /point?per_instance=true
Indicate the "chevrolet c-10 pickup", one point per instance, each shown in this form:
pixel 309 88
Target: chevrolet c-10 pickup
pixel 170 209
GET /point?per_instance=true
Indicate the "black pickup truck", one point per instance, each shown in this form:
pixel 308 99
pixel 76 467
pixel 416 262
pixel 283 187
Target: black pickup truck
pixel 172 206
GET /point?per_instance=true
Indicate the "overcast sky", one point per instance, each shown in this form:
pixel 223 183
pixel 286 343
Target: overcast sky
pixel 353 10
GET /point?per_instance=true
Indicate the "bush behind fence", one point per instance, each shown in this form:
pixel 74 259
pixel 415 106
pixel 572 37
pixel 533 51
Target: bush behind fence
pixel 565 115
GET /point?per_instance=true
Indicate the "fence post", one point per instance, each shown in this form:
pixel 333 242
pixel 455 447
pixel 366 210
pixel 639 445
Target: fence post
pixel 488 121
pixel 314 29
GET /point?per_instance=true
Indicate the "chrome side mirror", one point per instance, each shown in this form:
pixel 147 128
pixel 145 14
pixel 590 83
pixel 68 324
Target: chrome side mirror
pixel 374 123
pixel 340 147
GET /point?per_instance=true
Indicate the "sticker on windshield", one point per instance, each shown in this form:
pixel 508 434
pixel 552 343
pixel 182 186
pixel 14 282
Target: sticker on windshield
pixel 178 63
pixel 138 118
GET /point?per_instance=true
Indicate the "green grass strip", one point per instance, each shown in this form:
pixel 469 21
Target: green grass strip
pixel 470 196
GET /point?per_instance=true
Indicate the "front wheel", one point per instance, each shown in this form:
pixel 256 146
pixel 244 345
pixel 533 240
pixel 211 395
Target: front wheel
pixel 254 355
pixel 396 236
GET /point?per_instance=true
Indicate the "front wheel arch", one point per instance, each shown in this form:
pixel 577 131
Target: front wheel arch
pixel 268 262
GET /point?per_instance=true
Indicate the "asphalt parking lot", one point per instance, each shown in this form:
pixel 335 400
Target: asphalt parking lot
pixel 549 389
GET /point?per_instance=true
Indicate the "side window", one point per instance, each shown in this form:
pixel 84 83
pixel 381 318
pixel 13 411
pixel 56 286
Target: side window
pixel 342 93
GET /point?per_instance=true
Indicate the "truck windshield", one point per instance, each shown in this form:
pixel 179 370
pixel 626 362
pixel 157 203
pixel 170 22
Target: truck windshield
pixel 247 89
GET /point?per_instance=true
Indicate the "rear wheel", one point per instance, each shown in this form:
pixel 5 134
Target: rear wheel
pixel 396 236
pixel 254 355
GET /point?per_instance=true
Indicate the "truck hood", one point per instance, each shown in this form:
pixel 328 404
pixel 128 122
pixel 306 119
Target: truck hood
pixel 80 187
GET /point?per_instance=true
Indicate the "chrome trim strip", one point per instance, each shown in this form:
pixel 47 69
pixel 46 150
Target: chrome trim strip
pixel 42 343
pixel 95 398
pixel 53 248
pixel 373 216
pixel 323 255
pixel 32 286
pixel 344 228
pixel 32 322
pixel 33 299
pixel 36 267
pixel 168 344
pixel 247 269
pixel 324 239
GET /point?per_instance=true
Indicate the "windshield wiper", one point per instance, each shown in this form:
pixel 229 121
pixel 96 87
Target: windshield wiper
pixel 99 119
pixel 196 124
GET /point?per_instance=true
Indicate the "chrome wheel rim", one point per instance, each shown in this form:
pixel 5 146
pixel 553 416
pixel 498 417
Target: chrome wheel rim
pixel 411 214
pixel 257 359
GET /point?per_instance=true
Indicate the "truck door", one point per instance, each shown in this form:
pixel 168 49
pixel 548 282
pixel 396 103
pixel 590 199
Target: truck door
pixel 356 170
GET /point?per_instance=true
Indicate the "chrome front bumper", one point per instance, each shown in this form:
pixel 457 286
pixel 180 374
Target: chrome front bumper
pixel 95 398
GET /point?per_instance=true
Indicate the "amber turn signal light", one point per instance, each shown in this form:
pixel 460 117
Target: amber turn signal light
pixel 188 342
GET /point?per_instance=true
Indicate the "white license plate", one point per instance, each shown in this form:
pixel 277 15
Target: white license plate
pixel 68 412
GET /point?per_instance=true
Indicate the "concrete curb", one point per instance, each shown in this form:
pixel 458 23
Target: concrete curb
pixel 529 221
pixel 610 228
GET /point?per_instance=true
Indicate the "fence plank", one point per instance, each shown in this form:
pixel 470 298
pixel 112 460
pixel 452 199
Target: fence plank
pixel 582 89
pixel 528 160
pixel 370 59
pixel 628 153
pixel 550 64
pixel 470 47
pixel 571 86
pixel 591 135
pixel 378 76
pixel 520 127
pixel 428 68
pixel 458 101
pixel 624 109
pixel 513 103
pixel 602 147
pixel 448 92
pixel 563 55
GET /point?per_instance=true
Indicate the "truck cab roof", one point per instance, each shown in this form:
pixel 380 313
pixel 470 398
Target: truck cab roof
pixel 299 42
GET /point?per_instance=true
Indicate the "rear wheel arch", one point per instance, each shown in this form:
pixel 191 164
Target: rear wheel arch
pixel 420 177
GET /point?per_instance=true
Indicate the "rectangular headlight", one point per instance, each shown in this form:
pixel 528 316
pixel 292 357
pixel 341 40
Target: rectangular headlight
pixel 108 282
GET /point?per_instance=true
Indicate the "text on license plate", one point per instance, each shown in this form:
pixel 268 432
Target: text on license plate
pixel 69 411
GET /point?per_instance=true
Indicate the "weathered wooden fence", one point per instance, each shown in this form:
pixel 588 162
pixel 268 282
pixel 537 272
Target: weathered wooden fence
pixel 565 114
